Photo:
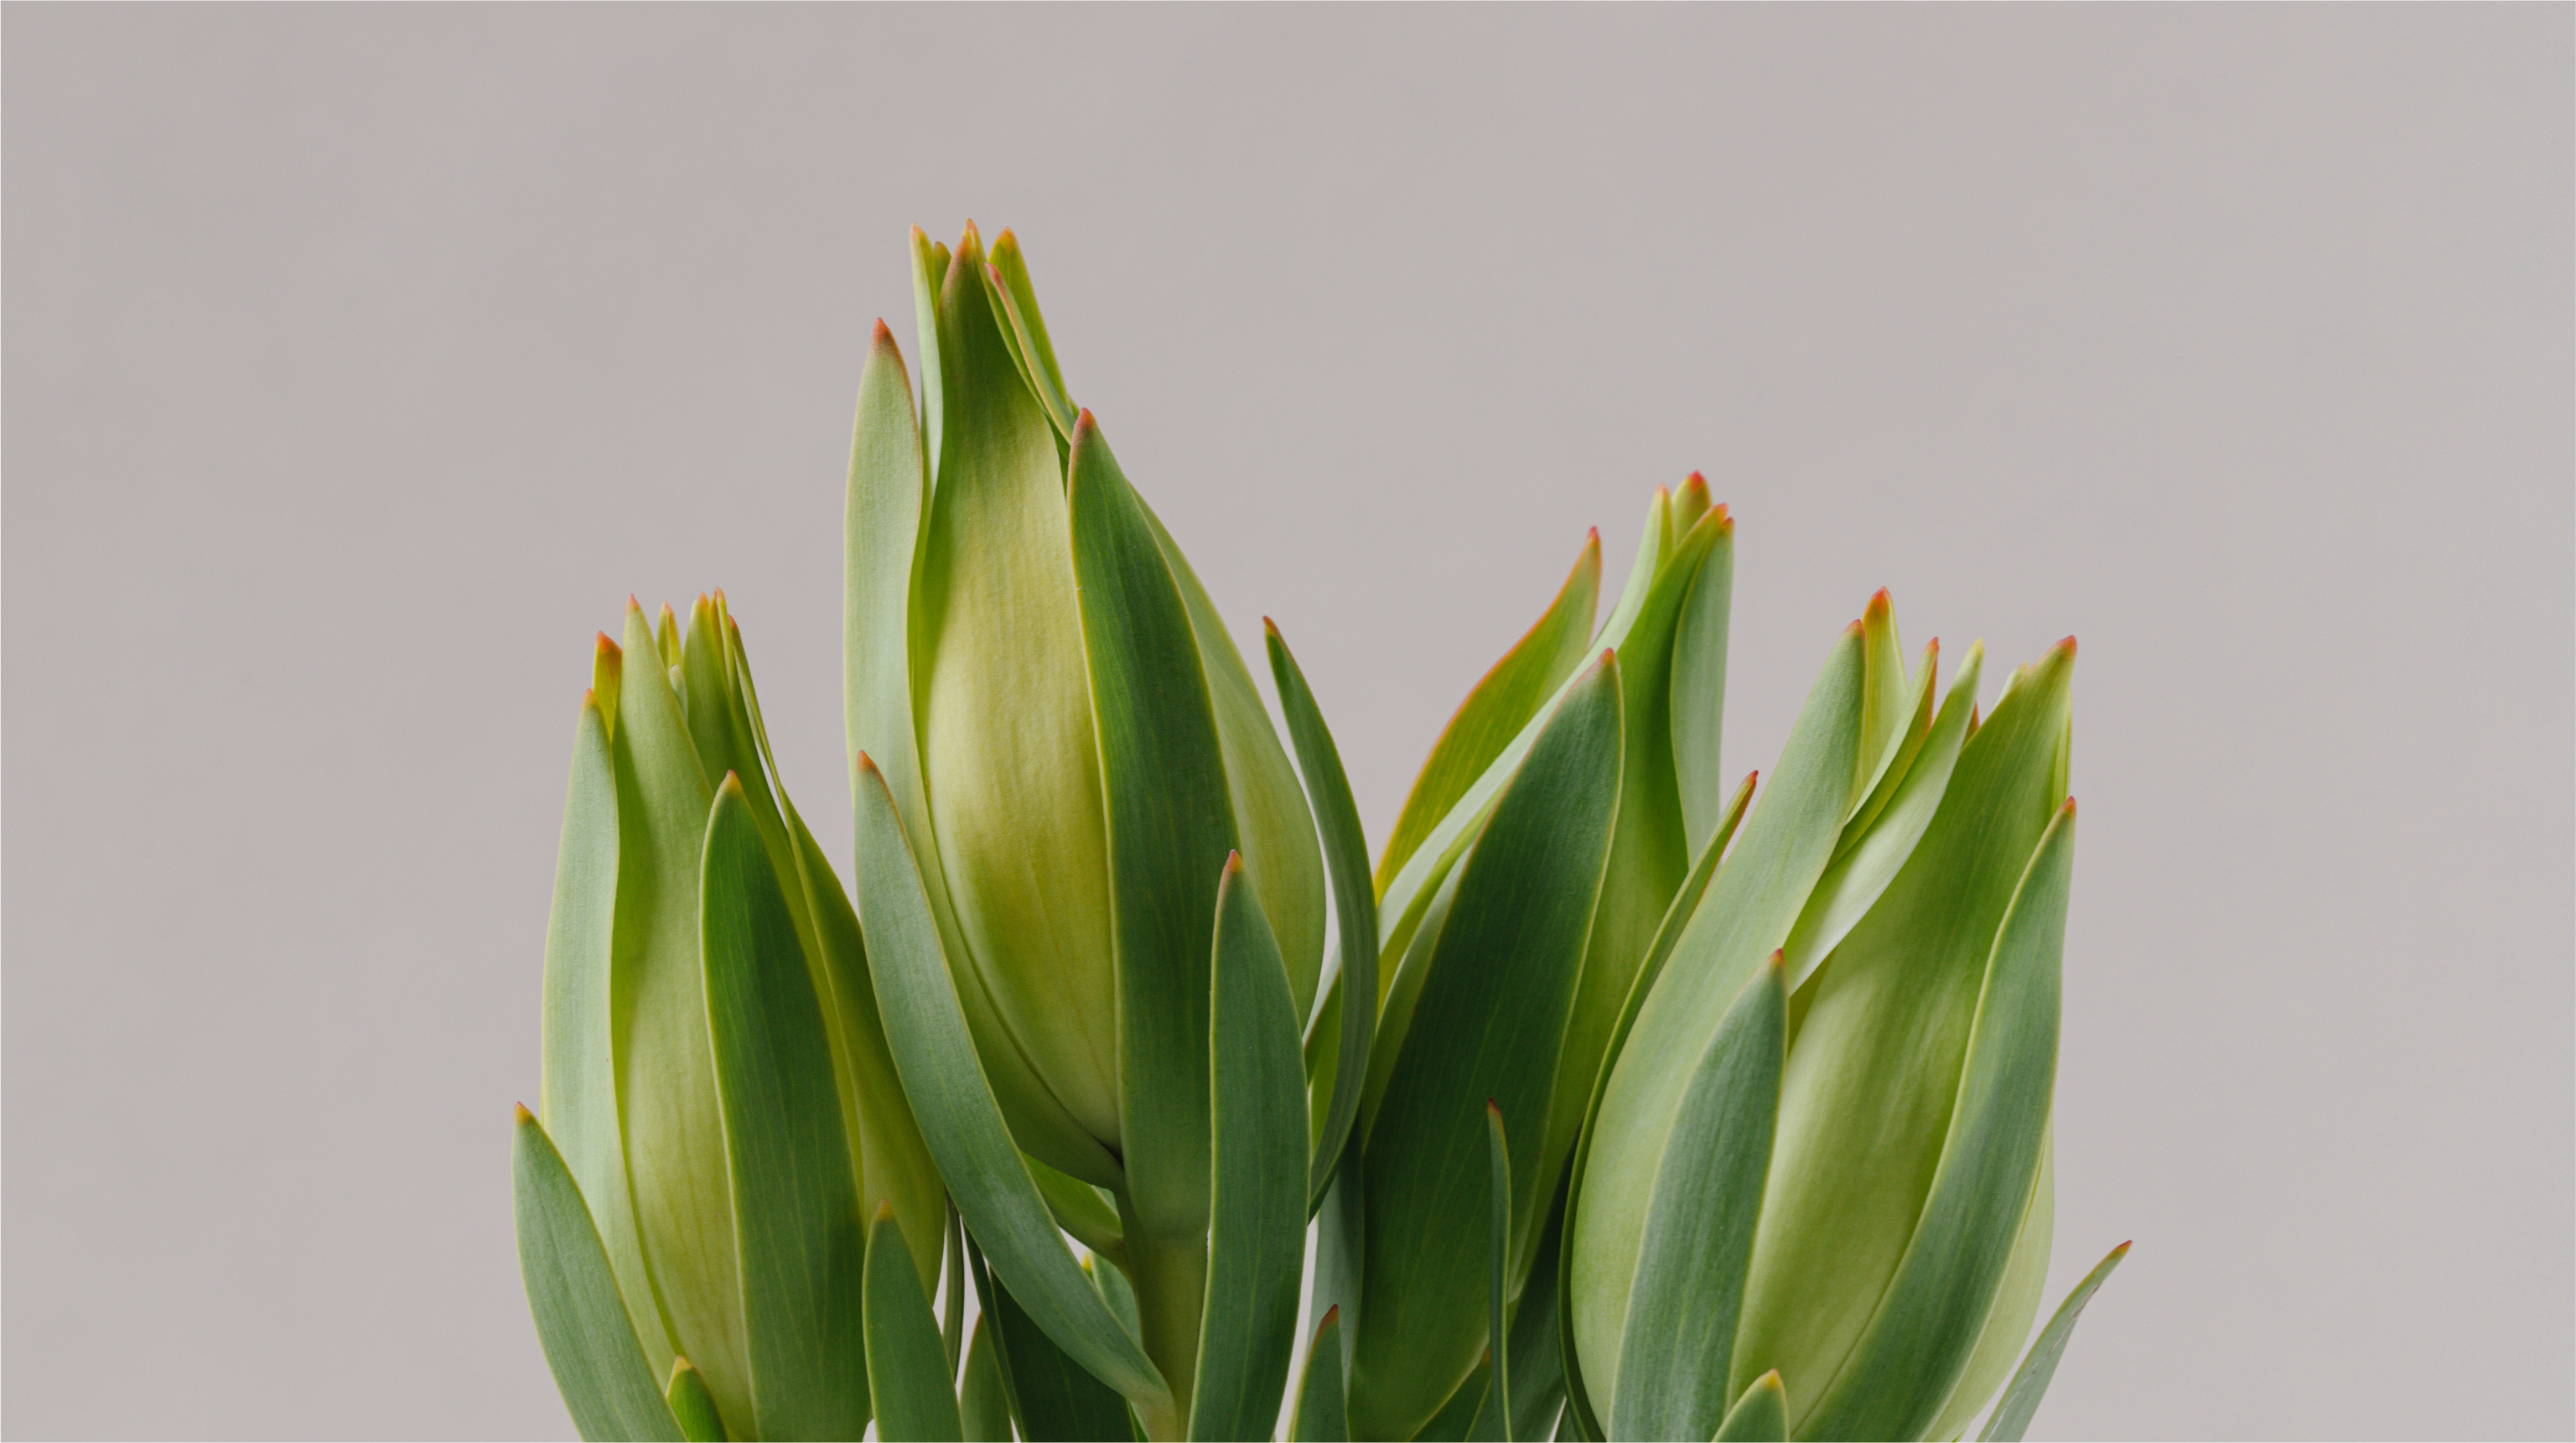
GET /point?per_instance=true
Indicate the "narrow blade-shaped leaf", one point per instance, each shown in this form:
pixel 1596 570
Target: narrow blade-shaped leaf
pixel 1337 816
pixel 1171 827
pixel 1760 1416
pixel 960 1122
pixel 983 1408
pixel 1537 1393
pixel 1699 688
pixel 1080 1210
pixel 1498 1274
pixel 1502 703
pixel 1918 1344
pixel 1051 1395
pixel 692 1405
pixel 2030 1382
pixel 1680 1341
pixel 1257 1219
pixel 929 277
pixel 795 1203
pixel 907 1364
pixel 1320 1416
pixel 1490 1026
pixel 580 1318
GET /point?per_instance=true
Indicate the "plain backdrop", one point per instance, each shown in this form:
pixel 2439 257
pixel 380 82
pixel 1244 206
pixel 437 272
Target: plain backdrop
pixel 360 362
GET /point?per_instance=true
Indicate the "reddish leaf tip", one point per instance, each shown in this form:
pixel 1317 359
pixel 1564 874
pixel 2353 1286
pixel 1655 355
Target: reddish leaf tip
pixel 607 647
pixel 884 337
pixel 1494 1109
pixel 2068 645
pixel 1333 1314
pixel 1879 603
pixel 867 767
pixel 732 783
pixel 1778 961
pixel 1233 863
pixel 526 1118
pixel 2069 809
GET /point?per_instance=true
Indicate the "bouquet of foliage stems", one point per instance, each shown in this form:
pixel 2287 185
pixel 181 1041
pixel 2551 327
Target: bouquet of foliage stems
pixel 1632 1104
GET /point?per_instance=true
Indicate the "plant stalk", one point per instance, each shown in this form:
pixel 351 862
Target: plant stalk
pixel 1169 1274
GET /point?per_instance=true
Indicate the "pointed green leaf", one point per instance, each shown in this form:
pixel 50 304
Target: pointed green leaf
pixel 907 1365
pixel 929 278
pixel 1051 1396
pixel 1171 826
pixel 983 1409
pixel 1918 1344
pixel 2030 1383
pixel 1458 1413
pixel 1746 914
pixel 1887 698
pixel 952 1299
pixel 1081 1210
pixel 692 1405
pixel 1760 1416
pixel 1898 760
pixel 580 1318
pixel 1699 688
pixel 1498 1280
pixel 1537 1393
pixel 1865 864
pixel 672 1121
pixel 1489 1026
pixel 1354 900
pixel 2008 1323
pixel 577 1090
pixel 1885 1033
pixel 1680 1339
pixel 1502 703
pixel 1016 302
pixel 1257 1224
pixel 1320 1415
pixel 795 1205
pixel 960 1121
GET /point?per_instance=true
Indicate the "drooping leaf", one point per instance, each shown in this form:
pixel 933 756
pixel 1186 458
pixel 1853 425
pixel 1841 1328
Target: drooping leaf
pixel 580 1318
pixel 795 1203
pixel 984 1410
pixel 1257 1225
pixel 1051 1396
pixel 692 1405
pixel 1761 1415
pixel 1500 705
pixel 1320 1416
pixel 907 1365
pixel 1918 1344
pixel 2030 1382
pixel 1745 915
pixel 960 1121
pixel 1171 827
pixel 1354 901
pixel 1680 1337
pixel 1489 1026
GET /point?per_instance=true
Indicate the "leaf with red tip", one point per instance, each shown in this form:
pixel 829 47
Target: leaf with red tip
pixel 2030 1384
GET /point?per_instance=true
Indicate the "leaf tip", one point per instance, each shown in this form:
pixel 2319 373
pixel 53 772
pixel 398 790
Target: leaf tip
pixel 1880 604
pixel 885 1205
pixel 731 786
pixel 867 767
pixel 1233 864
pixel 2067 645
pixel 524 1118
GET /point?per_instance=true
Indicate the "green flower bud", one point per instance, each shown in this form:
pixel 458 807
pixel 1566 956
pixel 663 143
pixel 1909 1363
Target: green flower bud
pixel 671 742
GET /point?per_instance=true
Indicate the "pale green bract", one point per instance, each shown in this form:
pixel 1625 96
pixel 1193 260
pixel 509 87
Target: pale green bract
pixel 1634 1102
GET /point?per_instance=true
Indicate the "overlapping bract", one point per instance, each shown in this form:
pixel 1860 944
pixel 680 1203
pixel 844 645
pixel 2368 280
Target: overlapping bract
pixel 1640 1105
pixel 716 1081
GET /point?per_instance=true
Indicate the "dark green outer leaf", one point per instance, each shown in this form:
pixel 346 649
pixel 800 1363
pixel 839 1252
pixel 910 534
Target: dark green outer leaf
pixel 1915 1349
pixel 1257 1220
pixel 1171 827
pixel 1354 902
pixel 1537 1394
pixel 2030 1382
pixel 1320 1414
pixel 1050 1396
pixel 1680 1338
pixel 960 1121
pixel 1581 1418
pixel 795 1203
pixel 1459 1412
pixel 1498 1272
pixel 1502 703
pixel 1760 1416
pixel 1489 1027
pixel 907 1364
pixel 983 1408
pixel 692 1404
pixel 580 1319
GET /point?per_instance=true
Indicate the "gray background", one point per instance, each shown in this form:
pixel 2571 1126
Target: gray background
pixel 360 362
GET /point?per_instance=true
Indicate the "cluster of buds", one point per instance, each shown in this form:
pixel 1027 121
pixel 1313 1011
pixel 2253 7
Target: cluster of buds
pixel 1611 1101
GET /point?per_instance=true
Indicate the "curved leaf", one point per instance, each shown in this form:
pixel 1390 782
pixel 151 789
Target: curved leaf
pixel 1680 1334
pixel 1699 688
pixel 1489 1026
pixel 692 1405
pixel 1320 1415
pixel 1257 1223
pixel 1760 1416
pixel 907 1364
pixel 1918 1344
pixel 1502 703
pixel 795 1202
pixel 960 1121
pixel 1354 901
pixel 580 1318
pixel 2030 1382
pixel 1499 1253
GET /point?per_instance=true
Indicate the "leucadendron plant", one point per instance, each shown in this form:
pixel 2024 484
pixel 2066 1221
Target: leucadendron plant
pixel 717 1110
pixel 1679 1108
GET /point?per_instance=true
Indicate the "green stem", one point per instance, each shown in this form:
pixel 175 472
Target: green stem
pixel 1170 1278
